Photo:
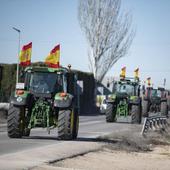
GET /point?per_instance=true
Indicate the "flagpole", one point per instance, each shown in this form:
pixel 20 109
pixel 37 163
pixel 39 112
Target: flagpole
pixel 17 74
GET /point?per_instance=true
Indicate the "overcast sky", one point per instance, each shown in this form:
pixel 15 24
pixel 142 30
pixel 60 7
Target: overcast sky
pixel 49 22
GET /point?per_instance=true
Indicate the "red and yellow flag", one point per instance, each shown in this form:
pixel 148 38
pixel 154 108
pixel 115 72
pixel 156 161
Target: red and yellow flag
pixel 149 81
pixel 123 72
pixel 136 72
pixel 53 59
pixel 25 55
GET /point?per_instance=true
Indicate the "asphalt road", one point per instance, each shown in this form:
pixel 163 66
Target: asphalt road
pixel 90 127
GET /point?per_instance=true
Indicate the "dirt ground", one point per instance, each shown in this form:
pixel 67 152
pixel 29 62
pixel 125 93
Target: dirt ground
pixel 120 160
pixel 126 151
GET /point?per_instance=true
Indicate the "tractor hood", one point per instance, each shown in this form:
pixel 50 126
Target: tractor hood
pixel 41 95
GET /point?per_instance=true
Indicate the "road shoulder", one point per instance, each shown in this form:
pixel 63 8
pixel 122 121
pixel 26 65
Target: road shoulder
pixel 46 154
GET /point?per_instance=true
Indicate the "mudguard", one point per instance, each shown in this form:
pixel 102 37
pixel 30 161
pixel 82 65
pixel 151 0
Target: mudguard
pixel 63 101
pixel 20 100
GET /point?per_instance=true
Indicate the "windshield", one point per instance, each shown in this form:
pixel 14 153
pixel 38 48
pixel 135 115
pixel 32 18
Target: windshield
pixel 126 88
pixel 155 93
pixel 41 82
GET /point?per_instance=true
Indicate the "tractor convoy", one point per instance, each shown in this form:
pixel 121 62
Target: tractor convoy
pixel 48 98
pixel 127 104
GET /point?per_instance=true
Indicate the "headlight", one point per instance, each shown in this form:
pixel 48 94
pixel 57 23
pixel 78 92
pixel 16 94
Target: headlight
pixel 19 99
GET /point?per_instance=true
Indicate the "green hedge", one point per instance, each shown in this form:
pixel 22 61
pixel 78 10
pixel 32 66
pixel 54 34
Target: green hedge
pixel 8 81
pixel 87 99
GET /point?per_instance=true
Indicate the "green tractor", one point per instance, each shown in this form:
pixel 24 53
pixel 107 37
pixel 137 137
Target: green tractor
pixel 154 101
pixel 48 98
pixel 124 104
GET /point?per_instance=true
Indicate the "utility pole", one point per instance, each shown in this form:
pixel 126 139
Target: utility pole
pixel 17 74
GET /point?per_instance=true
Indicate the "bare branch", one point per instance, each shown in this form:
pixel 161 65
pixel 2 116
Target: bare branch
pixel 108 32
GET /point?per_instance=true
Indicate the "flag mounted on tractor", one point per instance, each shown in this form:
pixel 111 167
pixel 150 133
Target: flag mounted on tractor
pixel 136 72
pixel 149 81
pixel 25 55
pixel 53 59
pixel 123 72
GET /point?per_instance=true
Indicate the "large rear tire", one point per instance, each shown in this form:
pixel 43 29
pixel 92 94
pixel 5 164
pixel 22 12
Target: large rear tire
pixel 67 124
pixel 110 113
pixel 14 122
pixel 136 114
pixel 164 108
pixel 145 108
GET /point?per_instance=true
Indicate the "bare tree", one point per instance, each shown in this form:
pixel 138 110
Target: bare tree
pixel 108 33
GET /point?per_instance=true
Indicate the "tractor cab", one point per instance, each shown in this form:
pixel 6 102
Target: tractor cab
pixel 128 87
pixel 48 98
pixel 124 104
pixel 154 94
pixel 45 80
pixel 154 101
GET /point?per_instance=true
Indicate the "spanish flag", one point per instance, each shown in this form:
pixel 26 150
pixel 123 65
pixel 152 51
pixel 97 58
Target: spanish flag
pixel 25 55
pixel 136 73
pixel 123 72
pixel 53 59
pixel 149 81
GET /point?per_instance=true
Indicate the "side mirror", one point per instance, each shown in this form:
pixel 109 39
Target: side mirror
pixel 22 76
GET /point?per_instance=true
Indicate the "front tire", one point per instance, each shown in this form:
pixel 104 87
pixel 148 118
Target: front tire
pixel 168 102
pixel 14 122
pixel 67 124
pixel 110 113
pixel 145 108
pixel 136 114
